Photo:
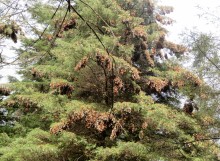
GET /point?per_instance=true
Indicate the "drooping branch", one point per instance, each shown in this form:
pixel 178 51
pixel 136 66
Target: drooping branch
pixel 54 14
pixel 96 35
pixel 3 63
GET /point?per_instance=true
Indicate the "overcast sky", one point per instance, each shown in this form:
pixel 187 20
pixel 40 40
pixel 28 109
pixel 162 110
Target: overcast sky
pixel 186 15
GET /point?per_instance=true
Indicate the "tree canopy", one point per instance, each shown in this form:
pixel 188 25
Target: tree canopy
pixel 102 82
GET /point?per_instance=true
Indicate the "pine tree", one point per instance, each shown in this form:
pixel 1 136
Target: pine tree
pixel 98 86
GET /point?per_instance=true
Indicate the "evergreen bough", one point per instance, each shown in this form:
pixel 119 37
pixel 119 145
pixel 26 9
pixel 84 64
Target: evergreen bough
pixel 97 86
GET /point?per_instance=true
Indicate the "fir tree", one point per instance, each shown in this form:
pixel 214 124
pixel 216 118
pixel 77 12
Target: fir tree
pixel 98 86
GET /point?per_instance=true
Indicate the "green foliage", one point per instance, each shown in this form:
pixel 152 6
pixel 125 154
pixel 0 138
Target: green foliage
pixel 123 151
pixel 82 101
pixel 34 147
pixel 5 139
pixel 40 145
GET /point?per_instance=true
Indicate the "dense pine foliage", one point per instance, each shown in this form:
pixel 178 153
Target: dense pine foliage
pixel 103 83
